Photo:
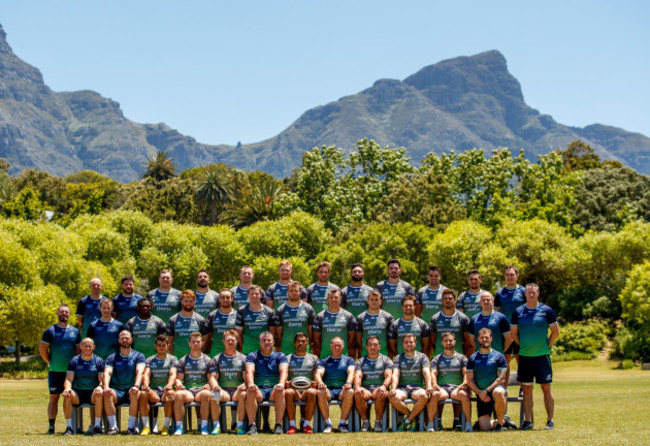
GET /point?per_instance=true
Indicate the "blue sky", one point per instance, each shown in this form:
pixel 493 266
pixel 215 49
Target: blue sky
pixel 225 72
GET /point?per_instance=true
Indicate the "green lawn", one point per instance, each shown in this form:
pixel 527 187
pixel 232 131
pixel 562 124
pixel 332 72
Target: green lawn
pixel 595 405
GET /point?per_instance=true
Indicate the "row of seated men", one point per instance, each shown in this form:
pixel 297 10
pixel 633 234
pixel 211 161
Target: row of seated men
pixel 269 375
pixel 296 314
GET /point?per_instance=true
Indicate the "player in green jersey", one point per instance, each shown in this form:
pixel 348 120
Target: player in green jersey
pixel 294 316
pixel 301 364
pixel 372 379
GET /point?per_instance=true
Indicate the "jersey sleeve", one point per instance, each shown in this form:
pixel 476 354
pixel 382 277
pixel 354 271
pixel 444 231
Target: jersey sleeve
pixel 359 324
pixel 470 327
pixel 81 307
pixel 463 361
pixel 239 319
pixel 140 359
pixel 514 319
pixel 426 331
pixel 318 324
pixel 270 291
pixel 171 326
pixel 303 294
pixel 162 327
pixel 418 297
pixel 251 357
pixel 392 331
pixel 213 365
pixel 100 365
pixel 409 290
pixel 283 358
pixel 322 364
pixel 432 325
pixel 497 299
pixel 180 366
pixel 352 323
pixel 504 325
pixel 91 331
pixel 203 327
pixel 47 336
pixel 501 362
pixel 110 361
pixel 129 324
pixel 550 316
pixel 470 364
pixel 311 315
pixel 72 365
pixel 434 362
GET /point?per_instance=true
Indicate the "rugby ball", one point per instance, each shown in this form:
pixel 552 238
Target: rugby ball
pixel 300 383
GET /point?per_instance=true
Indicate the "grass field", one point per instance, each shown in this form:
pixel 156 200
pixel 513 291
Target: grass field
pixel 595 405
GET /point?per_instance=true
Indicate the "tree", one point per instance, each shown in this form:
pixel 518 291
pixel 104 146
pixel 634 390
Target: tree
pixel 160 167
pixel 260 205
pixel 215 190
pixel 25 205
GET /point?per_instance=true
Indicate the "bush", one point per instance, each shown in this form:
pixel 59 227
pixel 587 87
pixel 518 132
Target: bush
pixel 583 340
pixel 632 343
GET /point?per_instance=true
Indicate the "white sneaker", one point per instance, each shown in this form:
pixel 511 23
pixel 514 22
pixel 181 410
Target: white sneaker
pixel 328 429
pixel 468 427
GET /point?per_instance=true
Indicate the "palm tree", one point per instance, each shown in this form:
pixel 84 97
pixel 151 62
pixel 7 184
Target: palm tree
pixel 258 206
pixel 160 168
pixel 215 190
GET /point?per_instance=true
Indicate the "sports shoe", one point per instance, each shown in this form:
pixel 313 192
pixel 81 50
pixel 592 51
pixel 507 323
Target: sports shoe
pixel 292 430
pixel 457 426
pixel 204 430
pixel 239 430
pixel 343 428
pixel 378 427
pixel 365 426
pixel 439 424
pixel 509 423
pixel 50 431
pixel 403 426
pixel 549 425
pixel 498 428
pixel 278 429
pixel 113 431
pixel 165 431
pixel 216 430
pixel 413 426
pixel 233 426
pixel 307 430
pixel 328 428
pixel 252 430
pixel 97 430
pixel 132 431
pixel 430 428
pixel 178 431
pixel 528 425
pixel 145 431
pixel 90 430
pixel 468 427
pixel 68 431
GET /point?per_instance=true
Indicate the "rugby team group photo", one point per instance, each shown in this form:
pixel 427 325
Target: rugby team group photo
pixel 389 356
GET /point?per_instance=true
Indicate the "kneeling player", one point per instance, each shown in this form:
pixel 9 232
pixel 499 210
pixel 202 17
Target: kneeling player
pixel 448 381
pixel 372 378
pixel 226 378
pixel 192 384
pixel 158 385
pixel 82 386
pixel 411 379
pixel 301 364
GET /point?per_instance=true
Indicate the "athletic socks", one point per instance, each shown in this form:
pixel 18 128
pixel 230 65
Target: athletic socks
pixel 68 422
pixel 240 424
pixel 179 425
pixel 145 421
pixel 132 421
pixel 52 421
pixel 98 421
pixel 168 421
pixel 429 426
pixel 306 423
pixel 204 423
pixel 292 423
pixel 112 422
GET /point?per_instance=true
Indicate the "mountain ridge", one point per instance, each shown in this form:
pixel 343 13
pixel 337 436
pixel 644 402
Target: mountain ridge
pixel 460 103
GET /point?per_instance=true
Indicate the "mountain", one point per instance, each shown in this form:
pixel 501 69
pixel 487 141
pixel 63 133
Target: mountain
pixel 457 104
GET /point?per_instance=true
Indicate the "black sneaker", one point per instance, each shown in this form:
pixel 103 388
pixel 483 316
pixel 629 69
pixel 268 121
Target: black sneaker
pixel 509 423
pixel 132 431
pixel 50 431
pixel 68 431
pixel 549 425
pixel 528 425
pixel 497 428
pixel 439 424
pixel 97 430
pixel 91 430
pixel 113 431
pixel 278 429
pixel 252 430
pixel 457 426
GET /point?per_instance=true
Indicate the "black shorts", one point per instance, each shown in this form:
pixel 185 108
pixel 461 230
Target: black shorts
pixel 230 391
pixel 372 387
pixel 85 396
pixel 487 408
pixel 158 391
pixel 449 388
pixel 195 391
pixel 55 382
pixel 409 389
pixel 122 396
pixel 513 349
pixel 535 367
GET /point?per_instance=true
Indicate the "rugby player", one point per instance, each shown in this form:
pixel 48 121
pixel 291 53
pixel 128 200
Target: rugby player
pixel 59 344
pixel 393 290
pixel 192 384
pixel 409 324
pixel 373 322
pixel 220 321
pixel 166 300
pixel 335 321
pixel 372 379
pixel 105 331
pixel 448 372
pixel 276 294
pixel 226 379
pixel 411 379
pixel 83 386
pixel 507 300
pixel 530 328
pixel 429 298
pixel 145 328
pixel 183 323
pixel 301 364
pixel 469 300
pixel 126 303
pixel 88 306
pixel 240 292
pixel 354 297
pixel 486 376
pixel 265 378
pixel 252 320
pixel 158 385
pixel 206 299
pixel 317 292
pixel 334 377
pixel 122 380
pixel 294 316
pixel 450 320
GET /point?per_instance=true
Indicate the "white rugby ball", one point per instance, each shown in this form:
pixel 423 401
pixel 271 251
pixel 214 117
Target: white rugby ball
pixel 300 383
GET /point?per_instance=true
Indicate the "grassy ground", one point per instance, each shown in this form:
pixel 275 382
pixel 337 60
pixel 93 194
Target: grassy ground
pixel 595 405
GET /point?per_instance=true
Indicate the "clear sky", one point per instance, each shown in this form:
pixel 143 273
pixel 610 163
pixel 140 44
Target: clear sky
pixel 229 71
